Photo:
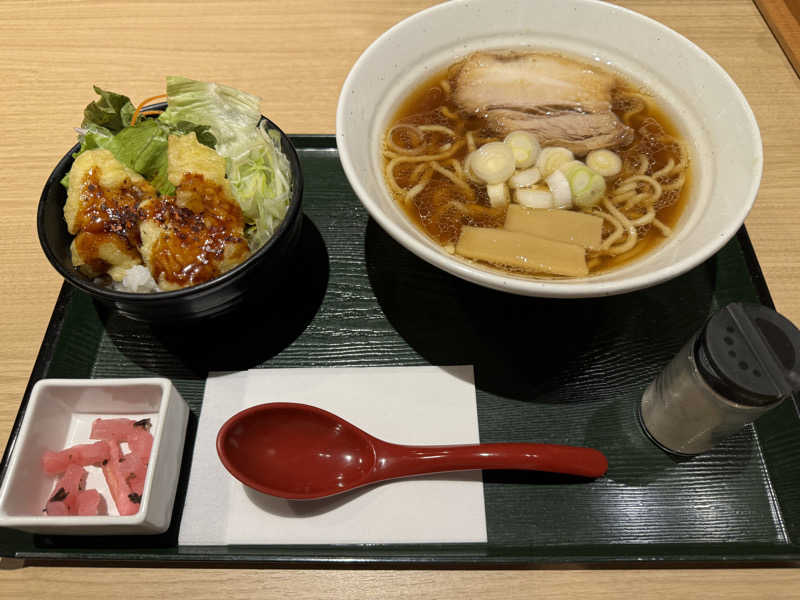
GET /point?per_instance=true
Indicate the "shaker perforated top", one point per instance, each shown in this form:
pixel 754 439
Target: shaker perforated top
pixel 750 354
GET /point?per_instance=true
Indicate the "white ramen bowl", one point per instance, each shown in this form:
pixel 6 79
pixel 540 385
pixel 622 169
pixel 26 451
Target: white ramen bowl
pixel 699 97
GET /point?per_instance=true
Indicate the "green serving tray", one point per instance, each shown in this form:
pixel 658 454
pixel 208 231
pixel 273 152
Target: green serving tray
pixel 560 371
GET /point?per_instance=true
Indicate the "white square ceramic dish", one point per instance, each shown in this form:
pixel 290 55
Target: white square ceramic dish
pixel 60 413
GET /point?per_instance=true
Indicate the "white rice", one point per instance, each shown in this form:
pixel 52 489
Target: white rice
pixel 137 279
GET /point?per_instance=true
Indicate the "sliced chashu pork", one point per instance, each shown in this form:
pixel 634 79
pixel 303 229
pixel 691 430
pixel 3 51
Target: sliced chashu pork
pixel 561 101
pixel 580 132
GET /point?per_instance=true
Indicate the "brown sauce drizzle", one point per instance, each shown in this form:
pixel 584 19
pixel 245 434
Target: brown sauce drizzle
pixel 108 216
pixel 112 210
pixel 197 226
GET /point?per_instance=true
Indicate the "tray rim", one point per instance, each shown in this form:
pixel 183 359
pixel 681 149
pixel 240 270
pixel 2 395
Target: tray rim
pixel 397 555
pixel 440 556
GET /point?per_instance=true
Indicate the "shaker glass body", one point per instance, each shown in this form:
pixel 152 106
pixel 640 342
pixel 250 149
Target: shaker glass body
pixel 684 415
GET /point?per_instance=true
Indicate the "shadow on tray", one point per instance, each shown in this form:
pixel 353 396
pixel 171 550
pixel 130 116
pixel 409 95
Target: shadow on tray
pixel 271 318
pixel 535 349
pixel 635 460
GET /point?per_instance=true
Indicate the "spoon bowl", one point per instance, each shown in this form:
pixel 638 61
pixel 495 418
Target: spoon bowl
pixel 281 448
pixel 298 451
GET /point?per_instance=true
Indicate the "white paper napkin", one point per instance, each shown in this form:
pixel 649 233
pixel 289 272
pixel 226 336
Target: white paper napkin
pixel 407 405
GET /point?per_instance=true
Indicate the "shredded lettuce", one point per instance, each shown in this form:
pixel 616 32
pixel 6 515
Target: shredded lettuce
pixel 258 171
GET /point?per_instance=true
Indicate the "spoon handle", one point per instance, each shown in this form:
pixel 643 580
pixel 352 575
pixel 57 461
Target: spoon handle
pixel 396 460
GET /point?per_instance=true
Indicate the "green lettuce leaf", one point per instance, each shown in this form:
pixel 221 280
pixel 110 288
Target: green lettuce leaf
pixel 112 111
pixel 143 148
pixel 231 115
pixel 203 132
pixel 93 137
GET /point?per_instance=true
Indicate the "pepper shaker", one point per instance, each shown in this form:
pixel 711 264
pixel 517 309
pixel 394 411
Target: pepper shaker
pixel 744 362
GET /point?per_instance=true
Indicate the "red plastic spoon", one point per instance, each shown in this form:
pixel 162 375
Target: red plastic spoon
pixel 298 451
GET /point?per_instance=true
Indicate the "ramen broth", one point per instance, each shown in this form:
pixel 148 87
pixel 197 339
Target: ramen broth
pixel 441 208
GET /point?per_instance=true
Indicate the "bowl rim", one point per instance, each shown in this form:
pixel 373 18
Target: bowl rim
pixel 553 288
pixel 195 291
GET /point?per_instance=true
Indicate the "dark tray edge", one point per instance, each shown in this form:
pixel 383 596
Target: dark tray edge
pixel 367 558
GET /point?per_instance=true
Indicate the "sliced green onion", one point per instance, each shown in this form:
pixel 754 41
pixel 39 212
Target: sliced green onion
pixel 550 159
pixel 531 198
pixel 560 188
pixel 604 162
pixel 525 178
pixel 492 163
pixel 498 194
pixel 587 187
pixel 568 166
pixel 525 147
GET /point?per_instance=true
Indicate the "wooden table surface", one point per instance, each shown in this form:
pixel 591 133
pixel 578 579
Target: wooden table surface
pixel 296 56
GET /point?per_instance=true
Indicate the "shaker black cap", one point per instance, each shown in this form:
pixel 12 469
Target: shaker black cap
pixel 750 354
